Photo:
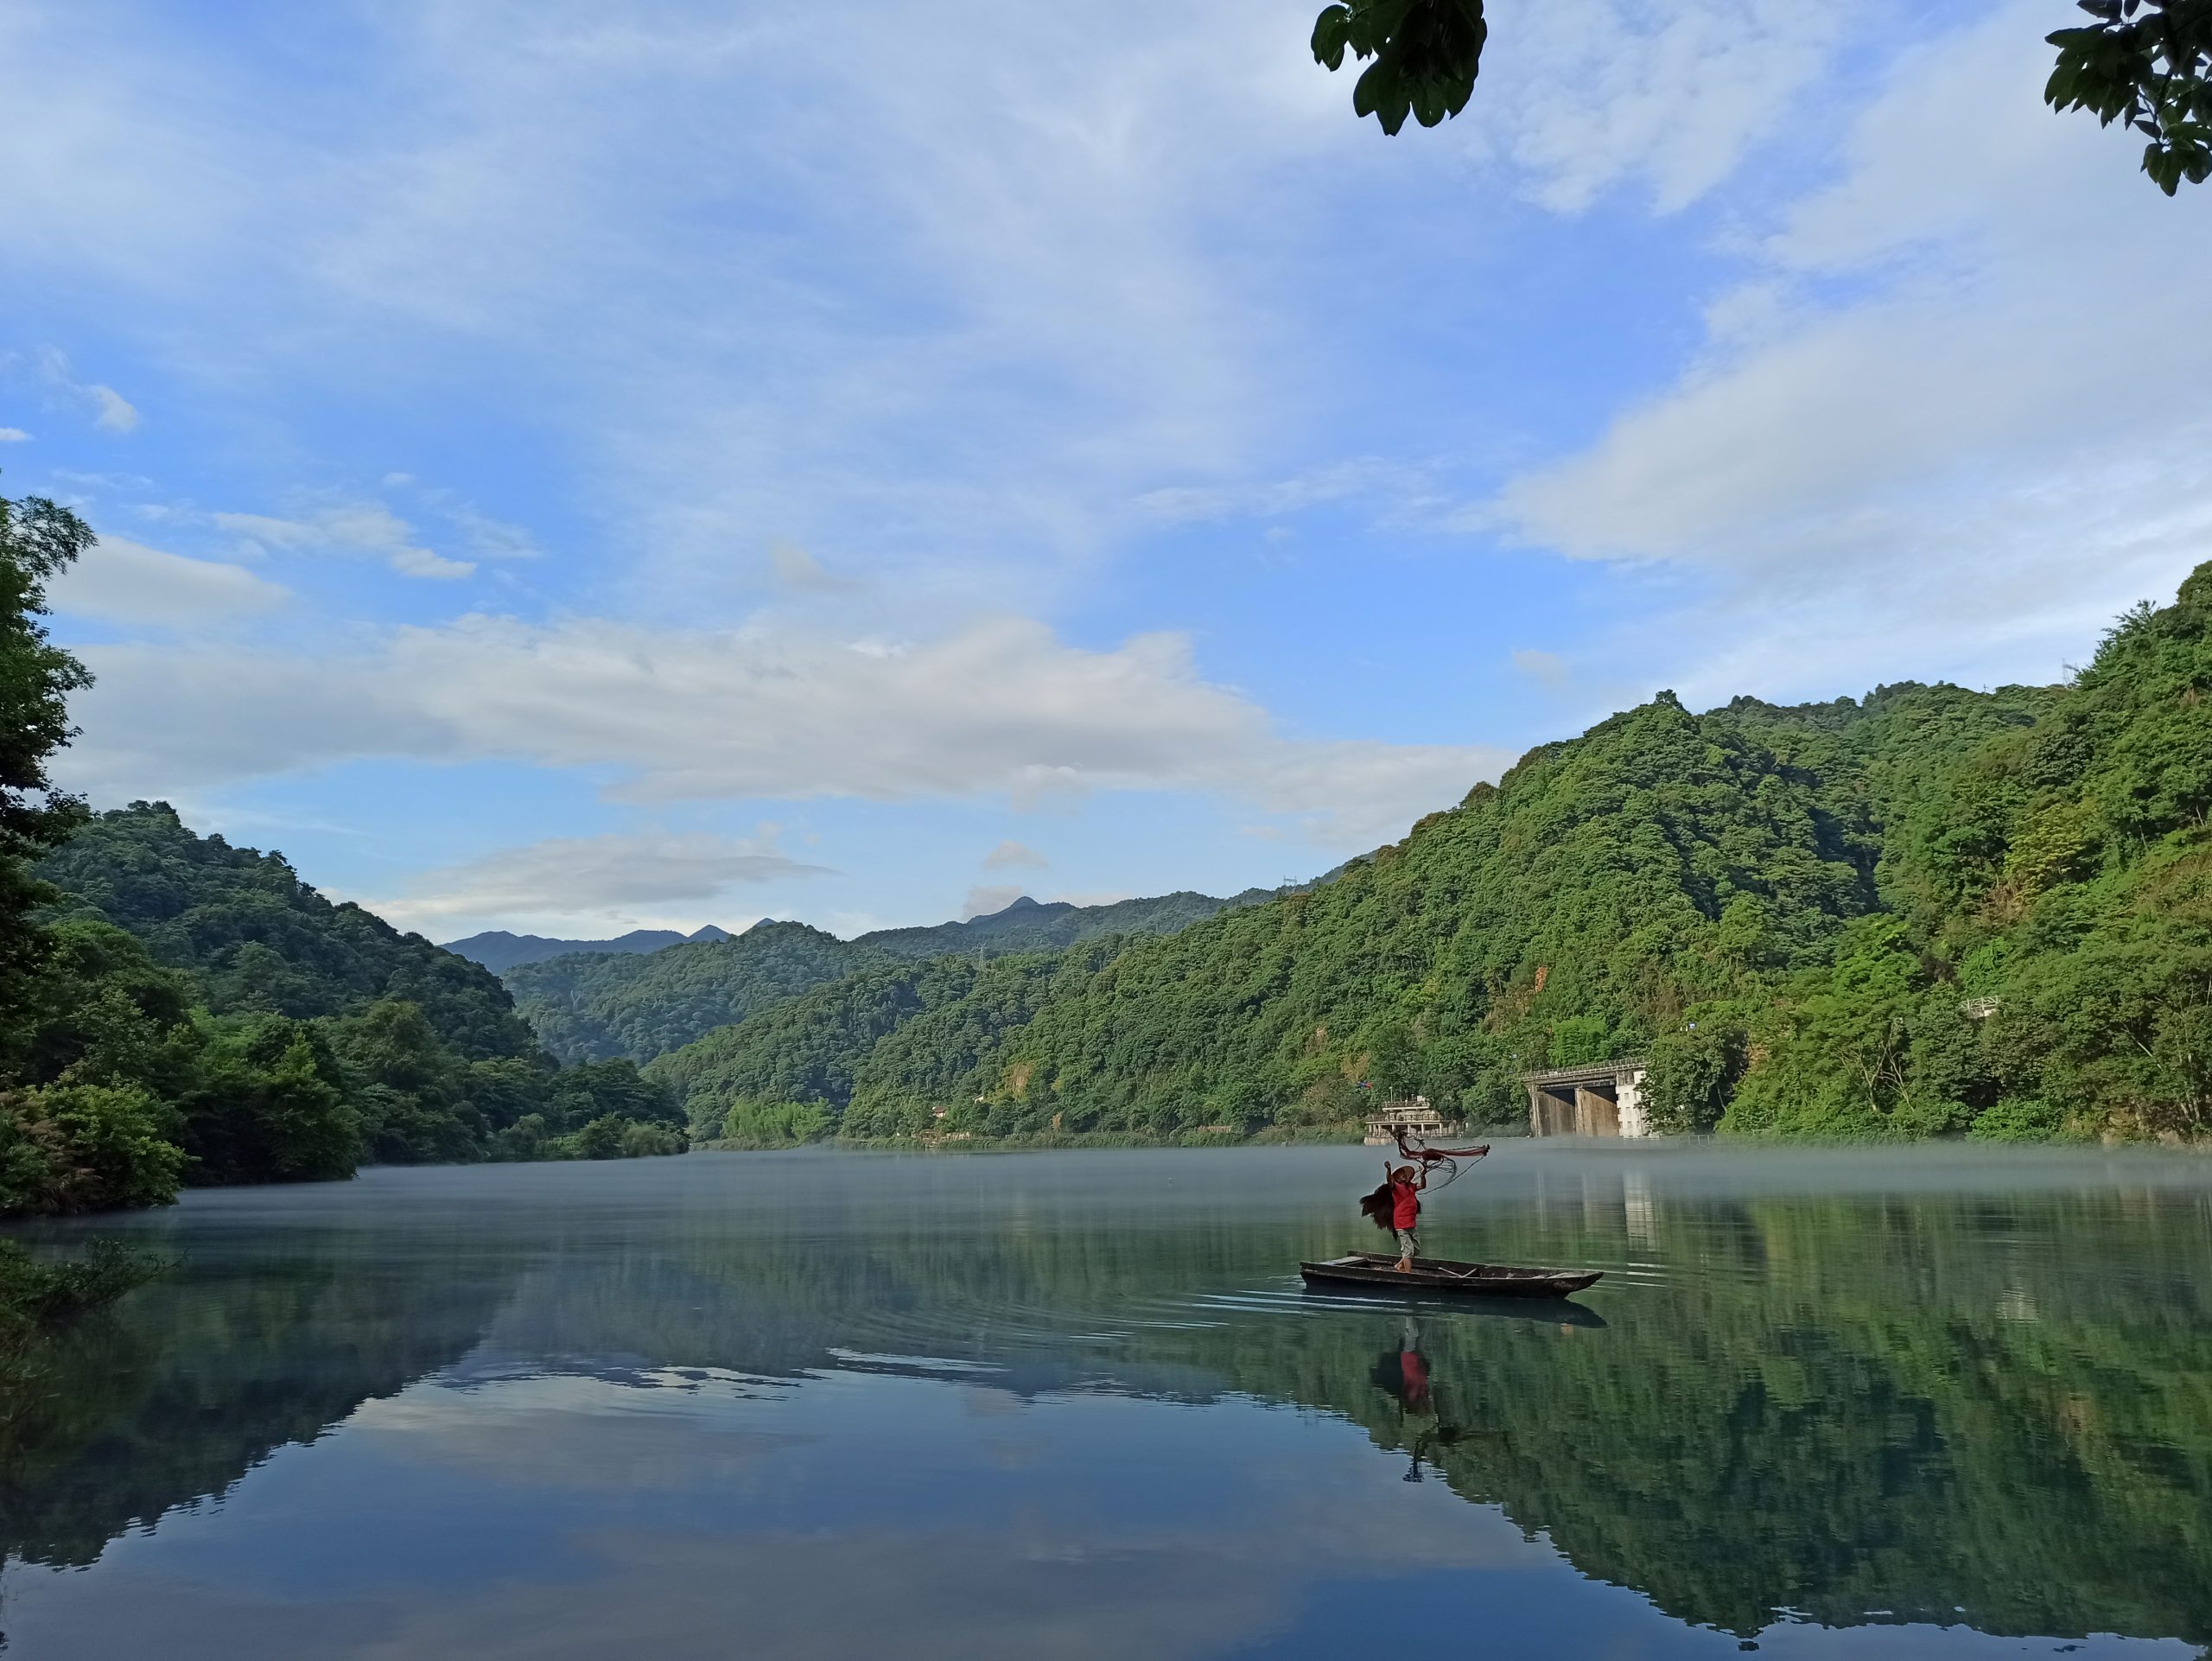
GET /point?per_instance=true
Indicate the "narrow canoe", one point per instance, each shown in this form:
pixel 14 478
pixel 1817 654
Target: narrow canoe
pixel 1442 1275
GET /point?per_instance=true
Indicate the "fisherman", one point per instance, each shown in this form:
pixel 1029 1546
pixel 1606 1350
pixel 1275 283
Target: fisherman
pixel 1406 1184
pixel 1395 1206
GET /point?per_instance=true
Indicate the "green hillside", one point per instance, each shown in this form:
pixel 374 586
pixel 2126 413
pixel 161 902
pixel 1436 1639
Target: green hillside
pixel 641 1006
pixel 600 1005
pixel 789 1071
pixel 277 1036
pixel 1929 911
pixel 255 937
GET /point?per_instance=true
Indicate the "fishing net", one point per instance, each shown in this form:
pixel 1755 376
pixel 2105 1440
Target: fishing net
pixel 1440 1164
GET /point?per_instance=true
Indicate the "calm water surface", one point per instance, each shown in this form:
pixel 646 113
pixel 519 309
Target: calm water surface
pixel 1077 1405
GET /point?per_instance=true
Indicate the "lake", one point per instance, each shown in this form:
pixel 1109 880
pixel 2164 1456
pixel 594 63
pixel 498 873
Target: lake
pixel 1898 1402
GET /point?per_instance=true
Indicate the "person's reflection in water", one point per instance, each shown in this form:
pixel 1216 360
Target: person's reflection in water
pixel 1403 1373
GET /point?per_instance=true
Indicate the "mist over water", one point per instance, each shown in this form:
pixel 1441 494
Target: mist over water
pixel 1934 1400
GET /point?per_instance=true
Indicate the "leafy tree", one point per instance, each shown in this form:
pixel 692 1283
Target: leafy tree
pixel 1425 55
pixel 68 1147
pixel 2145 63
pixel 38 541
pixel 272 1102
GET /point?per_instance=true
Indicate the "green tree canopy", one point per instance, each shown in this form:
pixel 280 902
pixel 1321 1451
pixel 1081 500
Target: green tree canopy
pixel 2145 63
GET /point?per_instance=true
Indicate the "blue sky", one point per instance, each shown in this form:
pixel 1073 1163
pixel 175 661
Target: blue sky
pixel 568 467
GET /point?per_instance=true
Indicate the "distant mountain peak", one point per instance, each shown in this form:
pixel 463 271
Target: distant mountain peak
pixel 499 951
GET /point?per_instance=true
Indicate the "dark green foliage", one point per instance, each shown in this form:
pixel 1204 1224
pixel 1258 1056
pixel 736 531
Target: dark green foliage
pixel 595 1006
pixel 257 939
pixel 805 1050
pixel 271 1102
pixel 595 1109
pixel 2146 64
pixel 416 1104
pixel 874 1055
pixel 937 1060
pixel 38 540
pixel 1692 1072
pixel 68 1147
pixel 1426 53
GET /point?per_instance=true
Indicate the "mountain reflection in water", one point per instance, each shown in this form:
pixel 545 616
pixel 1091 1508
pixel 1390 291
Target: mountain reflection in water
pixel 1035 1405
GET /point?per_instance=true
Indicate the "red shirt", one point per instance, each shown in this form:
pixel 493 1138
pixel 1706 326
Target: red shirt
pixel 1405 1205
pixel 1413 1373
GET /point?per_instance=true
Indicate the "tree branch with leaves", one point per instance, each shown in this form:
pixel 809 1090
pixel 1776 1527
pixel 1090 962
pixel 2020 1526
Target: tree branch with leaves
pixel 2145 63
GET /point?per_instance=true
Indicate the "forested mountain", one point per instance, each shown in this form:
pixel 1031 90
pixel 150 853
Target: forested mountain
pixel 282 1037
pixel 1042 925
pixel 1026 925
pixel 596 1006
pixel 1928 911
pixel 499 951
pixel 786 1074
pixel 641 1006
pixel 176 1009
pixel 255 937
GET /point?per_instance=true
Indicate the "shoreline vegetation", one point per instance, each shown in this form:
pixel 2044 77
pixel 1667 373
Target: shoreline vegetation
pixel 1354 1135
pixel 969 1142
pixel 1926 913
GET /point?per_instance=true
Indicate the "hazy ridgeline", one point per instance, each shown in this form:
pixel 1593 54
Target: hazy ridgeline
pixel 640 1005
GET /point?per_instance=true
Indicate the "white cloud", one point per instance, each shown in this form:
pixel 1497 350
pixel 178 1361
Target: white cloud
pixel 988 900
pixel 13 436
pixel 1912 413
pixel 987 311
pixel 1404 491
pixel 117 413
pixel 801 572
pixel 1001 706
pixel 368 528
pixel 123 581
pixel 110 410
pixel 421 561
pixel 1013 856
pixel 491 538
pixel 1546 666
pixel 1584 96
pixel 603 879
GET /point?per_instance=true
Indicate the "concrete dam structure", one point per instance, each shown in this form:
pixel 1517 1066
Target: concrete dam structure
pixel 1605 1098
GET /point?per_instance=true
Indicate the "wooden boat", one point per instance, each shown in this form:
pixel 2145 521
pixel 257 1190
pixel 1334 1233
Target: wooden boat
pixel 1442 1275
